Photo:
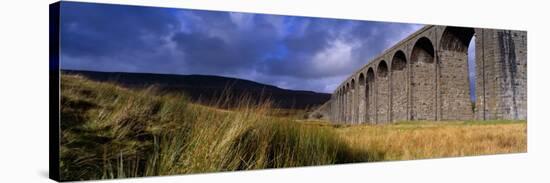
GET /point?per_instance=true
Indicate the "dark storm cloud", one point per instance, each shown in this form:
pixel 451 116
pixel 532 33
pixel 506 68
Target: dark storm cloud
pixel 215 44
pixel 290 52
pixel 100 30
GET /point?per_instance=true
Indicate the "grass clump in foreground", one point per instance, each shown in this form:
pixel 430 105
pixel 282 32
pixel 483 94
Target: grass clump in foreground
pixel 112 132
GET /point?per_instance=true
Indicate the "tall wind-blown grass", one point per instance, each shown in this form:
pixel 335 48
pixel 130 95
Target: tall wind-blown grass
pixel 112 132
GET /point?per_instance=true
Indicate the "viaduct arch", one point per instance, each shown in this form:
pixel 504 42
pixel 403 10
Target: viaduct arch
pixel 425 77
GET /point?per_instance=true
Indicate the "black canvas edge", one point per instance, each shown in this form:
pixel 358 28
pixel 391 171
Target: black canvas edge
pixel 54 127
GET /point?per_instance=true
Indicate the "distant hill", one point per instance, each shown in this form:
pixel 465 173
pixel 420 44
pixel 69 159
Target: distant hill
pixel 208 87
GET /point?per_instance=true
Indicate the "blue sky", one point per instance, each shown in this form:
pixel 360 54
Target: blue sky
pixel 290 52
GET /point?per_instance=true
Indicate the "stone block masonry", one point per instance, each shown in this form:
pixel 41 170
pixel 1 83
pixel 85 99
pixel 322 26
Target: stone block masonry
pixel 426 77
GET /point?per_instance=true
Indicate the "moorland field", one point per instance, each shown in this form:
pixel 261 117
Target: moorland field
pixel 111 131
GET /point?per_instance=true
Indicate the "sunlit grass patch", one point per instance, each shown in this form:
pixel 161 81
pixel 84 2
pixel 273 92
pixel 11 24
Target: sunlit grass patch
pixel 410 140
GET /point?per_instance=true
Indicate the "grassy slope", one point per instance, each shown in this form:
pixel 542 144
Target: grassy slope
pixel 112 132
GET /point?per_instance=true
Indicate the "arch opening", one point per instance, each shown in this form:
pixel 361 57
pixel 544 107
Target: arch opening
pixel 353 102
pixel 382 93
pixel 472 72
pixel 341 105
pixel 399 79
pixel 369 93
pixel 455 96
pixel 457 38
pixel 337 109
pixel 423 51
pixel 382 70
pixel 399 61
pixel 361 94
pixel 370 75
pixel 347 103
pixel 423 87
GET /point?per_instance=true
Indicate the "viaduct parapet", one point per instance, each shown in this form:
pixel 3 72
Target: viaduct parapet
pixel 425 77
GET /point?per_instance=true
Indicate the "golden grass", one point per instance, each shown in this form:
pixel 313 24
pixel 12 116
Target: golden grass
pixel 112 132
pixel 438 139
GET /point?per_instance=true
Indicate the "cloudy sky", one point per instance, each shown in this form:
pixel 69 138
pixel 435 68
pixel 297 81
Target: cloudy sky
pixel 289 52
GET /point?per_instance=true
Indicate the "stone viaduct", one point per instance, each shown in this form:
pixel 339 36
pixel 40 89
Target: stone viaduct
pixel 425 77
